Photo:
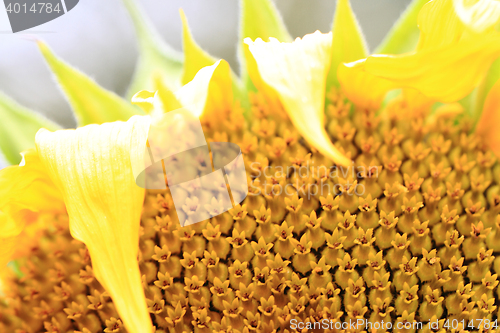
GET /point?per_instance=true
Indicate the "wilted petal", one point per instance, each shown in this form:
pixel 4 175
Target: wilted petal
pixel 489 122
pixel 297 72
pixel 92 167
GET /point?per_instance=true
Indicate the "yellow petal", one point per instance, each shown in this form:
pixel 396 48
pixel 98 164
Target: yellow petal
pixel 28 186
pixel 23 187
pixel 488 124
pixel 210 91
pixel 446 74
pixel 348 42
pixel 439 25
pixel 195 58
pixel 297 72
pixel 478 15
pixel 93 168
pixel 144 99
pixel 362 88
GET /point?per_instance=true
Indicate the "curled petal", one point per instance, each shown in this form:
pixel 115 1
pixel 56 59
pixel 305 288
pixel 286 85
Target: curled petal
pixel 446 74
pixel 93 168
pixel 297 73
pixel 488 124
pixel 478 15
pixel 209 92
pixel 145 100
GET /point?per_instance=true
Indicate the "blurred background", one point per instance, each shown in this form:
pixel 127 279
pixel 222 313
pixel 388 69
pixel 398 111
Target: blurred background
pixel 98 38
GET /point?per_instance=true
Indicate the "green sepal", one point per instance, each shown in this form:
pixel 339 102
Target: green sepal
pixel 156 58
pixel 404 34
pixel 18 128
pixel 259 19
pixel 91 103
pixel 348 42
pixel 195 58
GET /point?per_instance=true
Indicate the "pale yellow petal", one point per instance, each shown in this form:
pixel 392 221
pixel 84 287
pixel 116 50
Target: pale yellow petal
pixel 362 88
pixel 488 126
pixel 92 167
pixel 297 72
pixel 478 15
pixel 270 95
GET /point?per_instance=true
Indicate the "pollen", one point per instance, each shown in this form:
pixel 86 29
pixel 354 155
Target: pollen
pixel 409 232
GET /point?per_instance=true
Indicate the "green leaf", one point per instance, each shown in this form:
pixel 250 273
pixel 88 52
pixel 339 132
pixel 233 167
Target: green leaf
pixel 403 36
pixel 259 19
pixel 18 128
pixel 155 56
pixel 91 103
pixel 484 88
pixel 348 42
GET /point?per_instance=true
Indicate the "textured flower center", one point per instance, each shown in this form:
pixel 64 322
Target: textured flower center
pixel 407 205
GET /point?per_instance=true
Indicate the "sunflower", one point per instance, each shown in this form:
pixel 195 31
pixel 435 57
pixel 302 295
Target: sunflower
pixel 373 186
